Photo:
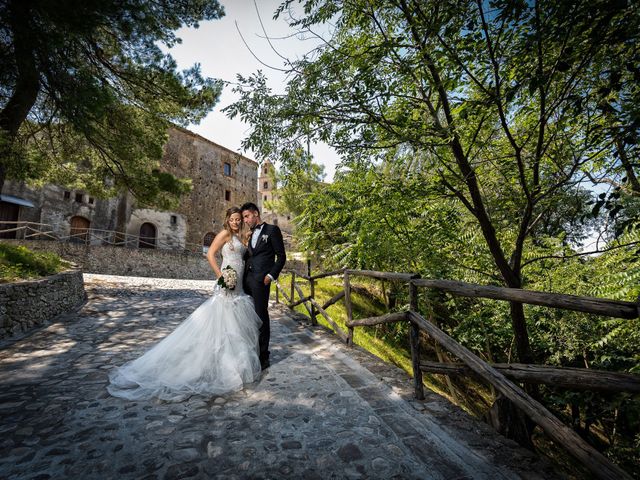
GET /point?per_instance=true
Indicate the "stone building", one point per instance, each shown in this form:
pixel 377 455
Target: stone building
pixel 221 178
pixel 267 193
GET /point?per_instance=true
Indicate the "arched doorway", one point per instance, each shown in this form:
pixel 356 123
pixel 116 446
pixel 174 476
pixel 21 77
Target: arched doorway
pixel 9 213
pixel 79 229
pixel 147 235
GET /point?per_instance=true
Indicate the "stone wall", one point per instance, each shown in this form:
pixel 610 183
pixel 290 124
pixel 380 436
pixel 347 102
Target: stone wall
pixel 24 305
pixel 171 228
pixel 55 205
pixel 143 262
pixel 221 178
pixel 188 155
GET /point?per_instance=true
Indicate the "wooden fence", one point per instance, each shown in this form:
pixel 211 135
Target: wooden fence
pixel 499 376
pixel 86 236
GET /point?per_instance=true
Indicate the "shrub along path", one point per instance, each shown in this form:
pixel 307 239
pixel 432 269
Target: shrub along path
pixel 321 410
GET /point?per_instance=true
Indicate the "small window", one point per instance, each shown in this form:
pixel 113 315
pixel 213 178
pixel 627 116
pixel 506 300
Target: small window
pixel 266 169
pixel 91 200
pixel 266 198
pixel 79 197
pixel 208 239
pixel 288 217
pixel 174 220
pixel 227 195
pixel 227 169
pixel 266 185
pixel 67 195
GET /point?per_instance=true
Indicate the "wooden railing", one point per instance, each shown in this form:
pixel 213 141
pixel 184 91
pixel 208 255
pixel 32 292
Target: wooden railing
pixel 499 376
pixel 86 236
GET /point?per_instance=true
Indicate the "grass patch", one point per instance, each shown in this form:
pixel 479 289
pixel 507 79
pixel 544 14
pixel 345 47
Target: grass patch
pixel 20 263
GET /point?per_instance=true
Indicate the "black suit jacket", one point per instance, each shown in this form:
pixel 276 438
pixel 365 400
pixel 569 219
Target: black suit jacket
pixel 269 256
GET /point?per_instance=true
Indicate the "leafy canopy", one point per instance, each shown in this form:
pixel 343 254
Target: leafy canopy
pixel 86 92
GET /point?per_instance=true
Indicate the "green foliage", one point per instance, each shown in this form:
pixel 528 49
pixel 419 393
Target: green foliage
pixel 471 135
pixel 293 183
pixel 506 107
pixel 379 219
pixel 20 263
pixel 87 94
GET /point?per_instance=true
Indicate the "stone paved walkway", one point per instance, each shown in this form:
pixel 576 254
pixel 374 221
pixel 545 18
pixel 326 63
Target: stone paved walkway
pixel 321 411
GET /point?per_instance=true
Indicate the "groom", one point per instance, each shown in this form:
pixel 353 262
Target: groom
pixel 265 259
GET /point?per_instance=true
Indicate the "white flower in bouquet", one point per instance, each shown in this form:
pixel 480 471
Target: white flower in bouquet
pixel 229 278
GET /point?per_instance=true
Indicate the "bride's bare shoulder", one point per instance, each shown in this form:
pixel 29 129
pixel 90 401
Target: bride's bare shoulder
pixel 223 236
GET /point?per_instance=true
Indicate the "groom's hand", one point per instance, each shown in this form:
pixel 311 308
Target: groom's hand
pixel 267 280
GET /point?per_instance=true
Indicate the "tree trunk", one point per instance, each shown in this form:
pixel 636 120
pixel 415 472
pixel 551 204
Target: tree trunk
pixel 628 166
pixel 519 325
pixel 122 219
pixel 2 172
pixel 508 420
pixel 27 86
pixel 477 205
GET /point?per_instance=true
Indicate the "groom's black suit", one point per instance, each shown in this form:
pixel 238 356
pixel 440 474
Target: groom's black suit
pixel 268 257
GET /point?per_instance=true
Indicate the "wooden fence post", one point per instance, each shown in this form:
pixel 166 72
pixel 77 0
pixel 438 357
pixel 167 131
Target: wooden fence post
pixel 414 340
pixel 293 283
pixel 347 304
pixel 312 293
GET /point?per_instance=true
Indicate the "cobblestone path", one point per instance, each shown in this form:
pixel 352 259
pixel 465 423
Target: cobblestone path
pixel 321 410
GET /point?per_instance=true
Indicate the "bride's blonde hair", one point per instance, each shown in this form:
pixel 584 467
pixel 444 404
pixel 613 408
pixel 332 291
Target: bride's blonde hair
pixel 243 233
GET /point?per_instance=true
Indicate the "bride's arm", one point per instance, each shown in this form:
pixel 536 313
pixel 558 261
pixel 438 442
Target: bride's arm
pixel 215 246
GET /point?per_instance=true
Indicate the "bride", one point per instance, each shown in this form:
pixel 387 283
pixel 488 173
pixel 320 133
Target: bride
pixel 213 351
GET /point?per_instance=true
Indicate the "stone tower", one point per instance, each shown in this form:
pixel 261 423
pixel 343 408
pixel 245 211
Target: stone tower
pixel 267 193
pixel 265 186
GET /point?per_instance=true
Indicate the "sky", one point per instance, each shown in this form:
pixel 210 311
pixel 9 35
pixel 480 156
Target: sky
pixel 219 49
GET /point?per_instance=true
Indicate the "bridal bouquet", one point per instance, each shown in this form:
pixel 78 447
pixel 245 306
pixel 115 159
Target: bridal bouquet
pixel 229 278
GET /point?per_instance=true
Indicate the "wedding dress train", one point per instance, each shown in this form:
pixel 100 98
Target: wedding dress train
pixel 213 351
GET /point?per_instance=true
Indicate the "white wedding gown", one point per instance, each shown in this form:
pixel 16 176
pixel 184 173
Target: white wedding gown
pixel 213 351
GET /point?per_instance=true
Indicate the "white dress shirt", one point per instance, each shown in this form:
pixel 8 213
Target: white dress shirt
pixel 256 235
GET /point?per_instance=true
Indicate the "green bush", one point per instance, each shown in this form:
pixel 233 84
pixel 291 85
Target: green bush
pixel 19 263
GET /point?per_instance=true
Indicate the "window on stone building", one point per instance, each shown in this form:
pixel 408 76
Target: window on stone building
pixel 227 195
pixel 67 195
pixel 174 220
pixel 79 197
pixel 147 236
pixel 265 185
pixel 208 238
pixel 227 169
pixel 266 198
pixel 91 200
pixel 266 169
pixel 206 241
pixel 288 217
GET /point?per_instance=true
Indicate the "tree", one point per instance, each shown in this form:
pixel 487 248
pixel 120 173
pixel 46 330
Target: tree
pixel 294 183
pixel 498 99
pixel 86 93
